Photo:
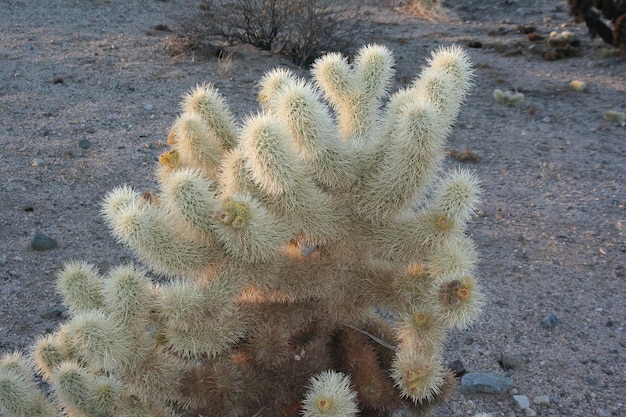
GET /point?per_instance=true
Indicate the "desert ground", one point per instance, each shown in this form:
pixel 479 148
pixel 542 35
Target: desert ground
pixel 88 91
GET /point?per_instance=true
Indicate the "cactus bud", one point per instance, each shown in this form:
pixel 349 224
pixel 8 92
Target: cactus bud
pixel 417 376
pixel 329 395
pixel 170 159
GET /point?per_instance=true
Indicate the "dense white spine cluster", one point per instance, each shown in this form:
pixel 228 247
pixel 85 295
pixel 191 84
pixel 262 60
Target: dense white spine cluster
pixel 277 236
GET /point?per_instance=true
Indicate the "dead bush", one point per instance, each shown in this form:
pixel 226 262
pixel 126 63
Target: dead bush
pixel 301 29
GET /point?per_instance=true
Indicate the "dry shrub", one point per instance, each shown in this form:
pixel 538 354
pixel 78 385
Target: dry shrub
pixel 301 29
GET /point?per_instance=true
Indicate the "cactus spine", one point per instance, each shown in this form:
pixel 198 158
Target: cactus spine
pixel 281 239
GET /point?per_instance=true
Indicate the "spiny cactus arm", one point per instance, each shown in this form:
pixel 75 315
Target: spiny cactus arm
pixel 128 297
pixel 157 379
pixel 195 146
pixel 97 340
pixel 249 233
pixel 354 91
pixel 80 285
pixel 457 195
pixel 418 377
pixel 414 234
pixel 81 393
pixel 272 84
pixel 201 318
pixel 408 165
pixel 278 172
pixel 208 103
pixel 373 67
pixel 190 199
pixel 356 357
pixel 217 387
pixel 19 394
pixel 411 236
pixel 446 80
pixel 313 129
pixel 48 353
pixel 236 177
pixel 144 227
pixel 456 255
pixel 417 122
pixel 456 299
pixel 330 395
pixel 419 327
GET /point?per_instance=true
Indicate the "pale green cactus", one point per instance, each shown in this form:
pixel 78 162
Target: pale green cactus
pixel 281 238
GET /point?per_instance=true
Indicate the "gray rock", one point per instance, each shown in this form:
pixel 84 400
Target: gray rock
pixel 457 368
pixel 43 242
pixel 550 321
pixel 522 401
pixel 541 400
pixel 475 382
pixel 84 143
pixel 52 313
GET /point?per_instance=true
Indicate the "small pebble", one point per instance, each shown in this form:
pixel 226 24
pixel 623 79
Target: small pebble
pixel 541 400
pixel 84 143
pixel 53 313
pixel 522 401
pixel 37 162
pixel 529 412
pixel 550 321
pixel 43 242
pixel 148 106
pixel 457 368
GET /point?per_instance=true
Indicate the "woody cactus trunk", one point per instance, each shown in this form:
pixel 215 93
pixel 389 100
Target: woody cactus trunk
pixel 315 258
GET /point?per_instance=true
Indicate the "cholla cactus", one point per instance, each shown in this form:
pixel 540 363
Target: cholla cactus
pixel 284 240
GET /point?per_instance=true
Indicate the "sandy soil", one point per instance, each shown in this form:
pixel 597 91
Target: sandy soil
pixel 551 229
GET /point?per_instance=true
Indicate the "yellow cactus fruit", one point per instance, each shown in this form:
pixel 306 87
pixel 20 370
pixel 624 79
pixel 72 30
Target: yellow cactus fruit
pixel 170 159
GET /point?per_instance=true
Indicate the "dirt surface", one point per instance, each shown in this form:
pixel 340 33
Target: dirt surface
pixel 88 93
